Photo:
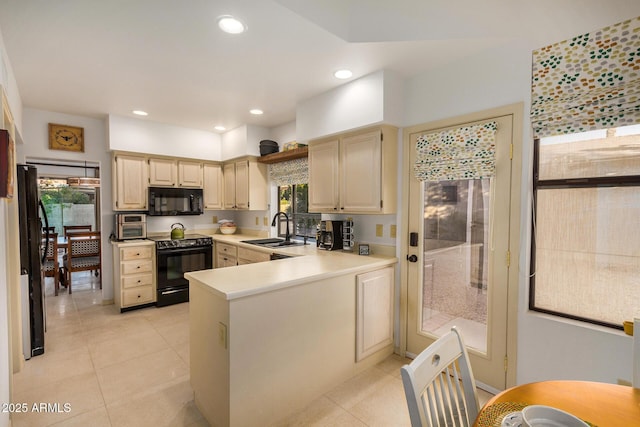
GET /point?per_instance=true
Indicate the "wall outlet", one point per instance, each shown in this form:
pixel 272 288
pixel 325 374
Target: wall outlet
pixel 379 230
pixel 215 219
pixel 392 231
pixel 265 221
pixel 257 220
pixel 222 335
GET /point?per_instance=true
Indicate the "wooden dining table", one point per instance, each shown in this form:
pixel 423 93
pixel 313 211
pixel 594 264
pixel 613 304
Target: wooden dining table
pixel 599 404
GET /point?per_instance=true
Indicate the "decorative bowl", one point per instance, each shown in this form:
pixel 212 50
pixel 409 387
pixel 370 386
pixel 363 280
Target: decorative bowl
pixel 228 229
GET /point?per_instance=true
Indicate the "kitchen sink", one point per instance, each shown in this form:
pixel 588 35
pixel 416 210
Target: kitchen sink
pixel 274 242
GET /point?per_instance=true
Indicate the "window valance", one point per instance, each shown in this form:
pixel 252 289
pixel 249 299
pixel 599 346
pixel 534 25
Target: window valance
pixel 462 153
pixel 588 82
pixel 291 172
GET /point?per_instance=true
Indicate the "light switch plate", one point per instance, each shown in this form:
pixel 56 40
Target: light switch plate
pixel 215 219
pixel 379 230
pixel 257 220
pixel 392 231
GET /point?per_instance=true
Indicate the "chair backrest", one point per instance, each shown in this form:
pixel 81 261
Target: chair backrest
pixel 51 230
pixel 636 352
pixel 52 248
pixel 439 384
pixel 75 228
pixel 84 244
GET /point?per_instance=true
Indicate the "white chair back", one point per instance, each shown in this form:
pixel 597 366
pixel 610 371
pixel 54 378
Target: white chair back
pixel 439 385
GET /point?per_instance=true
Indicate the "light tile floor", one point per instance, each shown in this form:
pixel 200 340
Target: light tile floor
pixel 132 369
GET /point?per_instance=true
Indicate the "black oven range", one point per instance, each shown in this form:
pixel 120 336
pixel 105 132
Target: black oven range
pixel 174 257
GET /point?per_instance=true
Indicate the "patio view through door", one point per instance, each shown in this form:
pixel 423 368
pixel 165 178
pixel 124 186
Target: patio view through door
pixel 460 276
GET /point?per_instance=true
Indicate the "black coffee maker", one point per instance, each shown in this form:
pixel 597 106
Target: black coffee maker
pixel 329 235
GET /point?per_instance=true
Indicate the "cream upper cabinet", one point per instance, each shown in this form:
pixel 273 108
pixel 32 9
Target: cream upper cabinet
pixel 354 172
pixel 323 176
pixel 163 172
pixel 213 186
pixel 131 182
pixel 189 174
pixel 229 172
pixel 245 185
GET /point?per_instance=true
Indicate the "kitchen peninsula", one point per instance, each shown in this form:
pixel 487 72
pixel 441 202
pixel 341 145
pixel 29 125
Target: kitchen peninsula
pixel 268 338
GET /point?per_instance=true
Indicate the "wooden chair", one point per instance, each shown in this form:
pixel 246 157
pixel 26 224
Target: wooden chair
pixel 74 229
pixel 51 230
pixel 83 254
pixel 439 385
pixel 50 265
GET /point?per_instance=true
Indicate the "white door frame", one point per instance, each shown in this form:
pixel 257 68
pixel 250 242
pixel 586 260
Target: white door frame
pixel 514 233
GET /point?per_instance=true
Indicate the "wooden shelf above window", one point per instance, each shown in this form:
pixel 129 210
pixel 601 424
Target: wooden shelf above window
pixel 284 156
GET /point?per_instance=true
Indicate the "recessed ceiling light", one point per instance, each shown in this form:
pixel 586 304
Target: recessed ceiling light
pixel 140 113
pixel 343 74
pixel 231 25
pixel 220 128
pixel 256 111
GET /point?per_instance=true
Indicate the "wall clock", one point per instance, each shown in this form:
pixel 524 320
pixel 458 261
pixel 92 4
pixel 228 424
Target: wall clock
pixel 64 137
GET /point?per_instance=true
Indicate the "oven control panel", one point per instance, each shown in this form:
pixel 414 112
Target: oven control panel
pixel 184 243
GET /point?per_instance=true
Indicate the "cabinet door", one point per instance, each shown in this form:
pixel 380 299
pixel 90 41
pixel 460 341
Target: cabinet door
pixel 130 183
pixel 242 184
pixel 189 174
pixel 361 173
pixel 229 186
pixel 212 185
pixel 323 176
pixel 374 313
pixel 162 172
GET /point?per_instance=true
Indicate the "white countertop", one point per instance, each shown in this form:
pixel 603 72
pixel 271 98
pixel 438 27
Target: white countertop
pixel 307 264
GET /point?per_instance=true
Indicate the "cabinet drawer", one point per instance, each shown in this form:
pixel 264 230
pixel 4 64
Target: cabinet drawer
pixel 137 252
pixel 223 260
pixel 137 280
pixel 225 249
pixel 140 266
pixel 252 256
pixel 137 296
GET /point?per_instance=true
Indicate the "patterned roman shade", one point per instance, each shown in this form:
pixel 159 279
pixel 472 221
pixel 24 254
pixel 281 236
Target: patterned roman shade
pixel 589 82
pixel 461 153
pixel 291 172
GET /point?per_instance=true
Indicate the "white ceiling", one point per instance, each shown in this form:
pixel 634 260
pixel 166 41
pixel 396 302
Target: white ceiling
pixel 167 57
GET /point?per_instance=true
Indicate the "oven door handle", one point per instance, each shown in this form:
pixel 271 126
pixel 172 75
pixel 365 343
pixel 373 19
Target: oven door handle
pixel 172 292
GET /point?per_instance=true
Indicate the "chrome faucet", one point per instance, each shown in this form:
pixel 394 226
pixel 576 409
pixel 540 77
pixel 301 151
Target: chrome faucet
pixel 287 236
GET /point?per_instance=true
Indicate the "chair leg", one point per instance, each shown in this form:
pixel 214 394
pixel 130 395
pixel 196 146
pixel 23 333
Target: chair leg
pixel 69 280
pixel 56 285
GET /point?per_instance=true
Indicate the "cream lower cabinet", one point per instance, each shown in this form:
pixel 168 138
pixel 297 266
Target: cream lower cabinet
pixel 226 255
pixel 249 256
pixel 134 275
pixel 374 311
pixel 354 172
pixel 130 182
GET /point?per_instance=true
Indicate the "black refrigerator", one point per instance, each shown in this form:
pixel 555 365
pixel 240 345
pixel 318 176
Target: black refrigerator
pixel 31 256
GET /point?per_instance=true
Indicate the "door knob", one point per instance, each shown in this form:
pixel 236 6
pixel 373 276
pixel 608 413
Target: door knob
pixel 412 258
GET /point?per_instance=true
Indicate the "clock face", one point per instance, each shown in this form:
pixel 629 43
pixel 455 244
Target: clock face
pixel 62 137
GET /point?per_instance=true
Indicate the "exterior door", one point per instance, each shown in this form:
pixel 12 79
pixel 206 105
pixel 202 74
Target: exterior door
pixel 460 274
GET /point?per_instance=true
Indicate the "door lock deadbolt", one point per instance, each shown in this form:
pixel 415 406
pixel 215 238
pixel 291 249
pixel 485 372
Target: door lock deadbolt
pixel 412 258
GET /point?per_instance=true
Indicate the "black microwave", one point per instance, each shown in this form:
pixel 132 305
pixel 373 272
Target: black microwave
pixel 175 201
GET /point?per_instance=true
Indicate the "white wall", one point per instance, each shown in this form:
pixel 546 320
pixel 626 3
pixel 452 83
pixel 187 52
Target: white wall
pixel 353 105
pixel 145 136
pixel 36 146
pixel 243 141
pixel 548 348
pixel 5 367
